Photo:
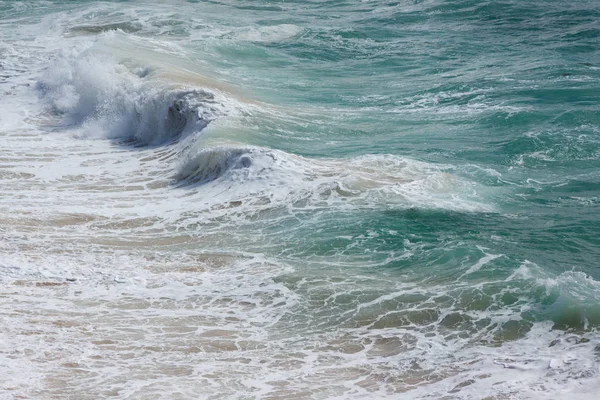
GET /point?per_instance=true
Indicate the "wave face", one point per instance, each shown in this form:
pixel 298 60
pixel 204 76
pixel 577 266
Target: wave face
pixel 316 200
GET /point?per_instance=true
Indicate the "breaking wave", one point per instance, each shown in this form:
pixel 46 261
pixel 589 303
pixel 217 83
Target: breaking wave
pixel 101 98
pixel 254 174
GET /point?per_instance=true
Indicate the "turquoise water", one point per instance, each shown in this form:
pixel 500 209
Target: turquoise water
pixel 353 199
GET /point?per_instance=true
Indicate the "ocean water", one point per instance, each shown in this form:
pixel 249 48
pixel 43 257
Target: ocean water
pixel 333 199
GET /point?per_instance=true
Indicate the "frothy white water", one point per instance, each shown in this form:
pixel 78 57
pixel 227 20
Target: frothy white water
pixel 135 325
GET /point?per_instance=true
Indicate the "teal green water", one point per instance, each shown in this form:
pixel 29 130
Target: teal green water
pixel 505 92
pixel 427 170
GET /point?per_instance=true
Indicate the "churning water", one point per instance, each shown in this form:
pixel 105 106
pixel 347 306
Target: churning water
pixel 300 199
